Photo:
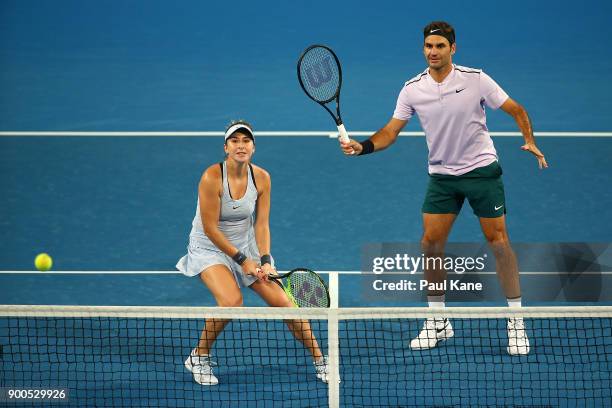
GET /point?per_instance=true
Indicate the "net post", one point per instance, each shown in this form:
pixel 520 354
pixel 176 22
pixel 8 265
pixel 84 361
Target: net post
pixel 332 337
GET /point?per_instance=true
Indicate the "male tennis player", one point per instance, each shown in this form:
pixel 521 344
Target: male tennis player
pixel 230 230
pixel 450 103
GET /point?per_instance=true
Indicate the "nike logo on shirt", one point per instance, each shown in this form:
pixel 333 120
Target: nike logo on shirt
pixel 459 90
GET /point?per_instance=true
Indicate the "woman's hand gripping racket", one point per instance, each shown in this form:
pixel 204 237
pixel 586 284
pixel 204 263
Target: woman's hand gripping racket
pixel 320 77
pixel 303 287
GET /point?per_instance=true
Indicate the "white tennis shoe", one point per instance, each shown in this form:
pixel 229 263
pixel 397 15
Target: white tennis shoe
pixel 201 368
pixel 322 368
pixel 518 343
pixel 434 330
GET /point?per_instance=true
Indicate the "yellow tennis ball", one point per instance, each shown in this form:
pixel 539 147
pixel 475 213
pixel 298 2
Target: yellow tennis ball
pixel 43 262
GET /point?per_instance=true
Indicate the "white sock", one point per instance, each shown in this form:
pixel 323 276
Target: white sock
pixel 436 302
pixel 197 358
pixel 515 302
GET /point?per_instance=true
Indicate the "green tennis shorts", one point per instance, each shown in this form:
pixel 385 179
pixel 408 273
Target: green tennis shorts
pixel 483 187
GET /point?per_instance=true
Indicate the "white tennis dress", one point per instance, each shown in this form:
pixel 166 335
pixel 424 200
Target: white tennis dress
pixel 235 222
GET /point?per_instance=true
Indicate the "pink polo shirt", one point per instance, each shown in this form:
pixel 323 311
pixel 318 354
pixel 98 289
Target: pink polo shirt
pixel 452 114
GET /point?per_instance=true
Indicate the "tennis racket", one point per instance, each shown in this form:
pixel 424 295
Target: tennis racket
pixel 320 77
pixel 304 287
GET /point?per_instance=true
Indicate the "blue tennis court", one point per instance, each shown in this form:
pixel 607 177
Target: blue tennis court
pixel 114 209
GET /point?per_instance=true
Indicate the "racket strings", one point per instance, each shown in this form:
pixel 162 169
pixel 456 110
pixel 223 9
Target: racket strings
pixel 320 74
pixel 308 290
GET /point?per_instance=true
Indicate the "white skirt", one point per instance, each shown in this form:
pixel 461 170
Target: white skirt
pixel 199 259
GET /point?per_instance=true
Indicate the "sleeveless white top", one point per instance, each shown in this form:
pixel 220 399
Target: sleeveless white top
pixel 236 219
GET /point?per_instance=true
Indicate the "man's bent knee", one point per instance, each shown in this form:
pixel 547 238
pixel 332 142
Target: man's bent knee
pixel 500 245
pixel 432 244
pixel 497 237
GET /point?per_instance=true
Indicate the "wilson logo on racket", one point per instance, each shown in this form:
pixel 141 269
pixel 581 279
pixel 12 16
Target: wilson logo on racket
pixel 319 74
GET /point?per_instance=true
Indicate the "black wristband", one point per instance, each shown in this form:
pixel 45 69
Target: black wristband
pixel 367 147
pixel 266 259
pixel 239 258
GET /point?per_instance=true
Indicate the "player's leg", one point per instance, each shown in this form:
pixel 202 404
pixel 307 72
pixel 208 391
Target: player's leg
pixel 495 232
pixel 485 192
pixel 221 283
pixel 436 228
pixel 440 208
pixel 274 296
pixel 442 203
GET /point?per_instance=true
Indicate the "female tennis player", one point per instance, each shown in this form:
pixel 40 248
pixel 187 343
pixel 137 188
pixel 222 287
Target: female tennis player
pixel 229 232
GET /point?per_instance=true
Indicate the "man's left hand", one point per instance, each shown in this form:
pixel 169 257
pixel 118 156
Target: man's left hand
pixel 530 147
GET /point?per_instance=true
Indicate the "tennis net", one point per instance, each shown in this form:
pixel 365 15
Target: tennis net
pixel 135 356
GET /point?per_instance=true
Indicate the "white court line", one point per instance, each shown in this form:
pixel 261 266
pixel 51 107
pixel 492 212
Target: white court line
pixel 273 133
pixel 320 272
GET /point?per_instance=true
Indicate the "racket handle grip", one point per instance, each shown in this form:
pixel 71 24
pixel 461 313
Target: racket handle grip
pixel 342 134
